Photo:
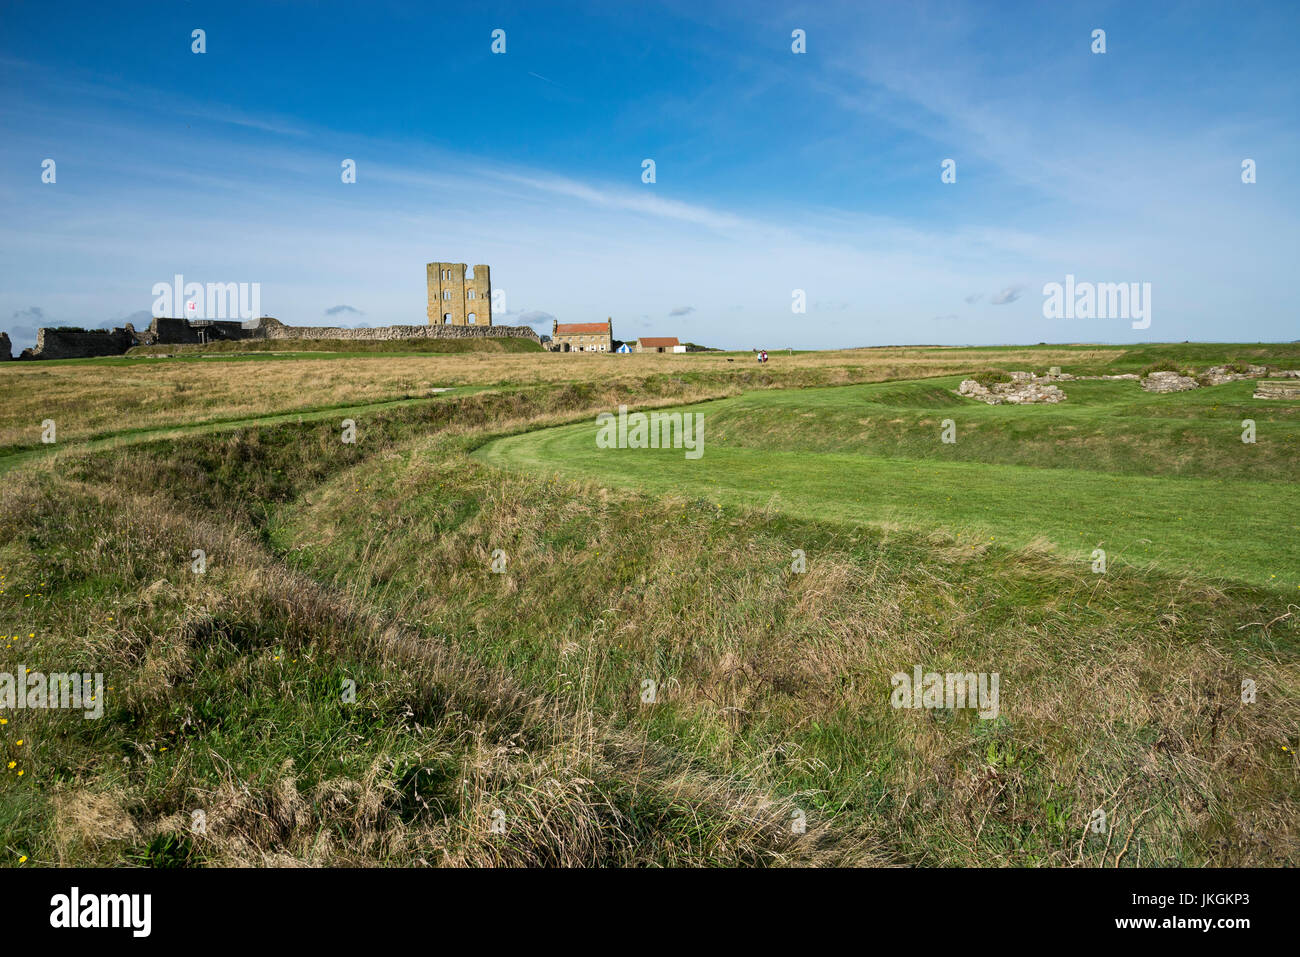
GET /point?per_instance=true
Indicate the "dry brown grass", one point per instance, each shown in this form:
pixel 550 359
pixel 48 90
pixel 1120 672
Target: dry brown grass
pixel 86 821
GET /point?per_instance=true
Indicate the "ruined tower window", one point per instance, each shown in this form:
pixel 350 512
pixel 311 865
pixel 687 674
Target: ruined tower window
pixel 472 318
pixel 446 294
pixel 471 294
pixel 446 318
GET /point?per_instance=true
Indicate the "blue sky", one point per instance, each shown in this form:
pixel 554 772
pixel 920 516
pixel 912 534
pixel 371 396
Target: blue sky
pixel 775 171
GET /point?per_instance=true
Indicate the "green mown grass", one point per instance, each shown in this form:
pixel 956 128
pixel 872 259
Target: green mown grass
pixel 1147 478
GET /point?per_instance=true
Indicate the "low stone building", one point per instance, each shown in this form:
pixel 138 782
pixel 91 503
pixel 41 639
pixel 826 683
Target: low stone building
pixel 657 344
pixel 582 336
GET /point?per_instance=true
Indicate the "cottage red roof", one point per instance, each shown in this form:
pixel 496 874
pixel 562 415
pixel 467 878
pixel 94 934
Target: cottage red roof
pixel 661 342
pixel 582 328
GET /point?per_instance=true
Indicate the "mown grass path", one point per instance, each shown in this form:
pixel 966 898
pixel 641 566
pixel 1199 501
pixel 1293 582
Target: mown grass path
pixel 1220 527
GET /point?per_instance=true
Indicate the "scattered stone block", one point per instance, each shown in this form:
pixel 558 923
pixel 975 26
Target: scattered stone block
pixel 1278 390
pixel 1168 382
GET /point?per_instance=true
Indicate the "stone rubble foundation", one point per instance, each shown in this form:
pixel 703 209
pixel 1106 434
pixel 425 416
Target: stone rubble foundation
pixel 1027 388
pixel 1017 392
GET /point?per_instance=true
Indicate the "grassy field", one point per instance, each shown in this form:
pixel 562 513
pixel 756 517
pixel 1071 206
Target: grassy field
pixel 498 624
pixel 97 397
pixel 1161 479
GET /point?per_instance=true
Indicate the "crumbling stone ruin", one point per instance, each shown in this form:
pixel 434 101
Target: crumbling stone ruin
pixel 82 343
pixel 1218 375
pixel 68 343
pixel 460 307
pixel 1028 387
pixel 274 329
pixel 1215 375
pixel 1168 382
pixel 194 331
pixel 1023 389
pixel 1054 374
pixel 458 300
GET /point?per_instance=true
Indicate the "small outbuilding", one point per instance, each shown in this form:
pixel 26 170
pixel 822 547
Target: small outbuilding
pixel 658 344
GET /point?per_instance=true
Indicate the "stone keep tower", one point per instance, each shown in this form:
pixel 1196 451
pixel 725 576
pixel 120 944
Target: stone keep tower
pixel 457 301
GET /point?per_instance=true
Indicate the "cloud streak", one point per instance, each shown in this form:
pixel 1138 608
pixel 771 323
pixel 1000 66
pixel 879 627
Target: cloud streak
pixel 1007 295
